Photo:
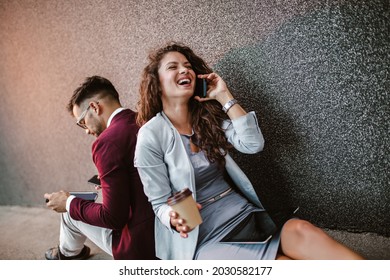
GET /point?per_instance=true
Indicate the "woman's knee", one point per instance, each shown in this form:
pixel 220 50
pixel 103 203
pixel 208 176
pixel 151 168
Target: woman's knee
pixel 299 232
pixel 296 236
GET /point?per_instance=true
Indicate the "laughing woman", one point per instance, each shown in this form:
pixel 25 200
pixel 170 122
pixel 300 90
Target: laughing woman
pixel 184 142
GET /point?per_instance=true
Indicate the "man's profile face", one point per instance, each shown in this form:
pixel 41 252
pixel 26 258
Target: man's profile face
pixel 87 119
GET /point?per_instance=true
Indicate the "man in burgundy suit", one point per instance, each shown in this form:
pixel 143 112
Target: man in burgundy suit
pixel 123 224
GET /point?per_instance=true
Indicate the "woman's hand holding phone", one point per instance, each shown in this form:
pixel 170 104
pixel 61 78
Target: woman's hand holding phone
pixel 216 88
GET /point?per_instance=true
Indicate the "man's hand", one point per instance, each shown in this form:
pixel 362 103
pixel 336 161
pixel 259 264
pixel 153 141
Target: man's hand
pixel 57 201
pixel 98 187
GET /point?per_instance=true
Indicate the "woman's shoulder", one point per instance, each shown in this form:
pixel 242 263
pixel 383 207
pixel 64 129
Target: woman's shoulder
pixel 156 129
pixel 155 122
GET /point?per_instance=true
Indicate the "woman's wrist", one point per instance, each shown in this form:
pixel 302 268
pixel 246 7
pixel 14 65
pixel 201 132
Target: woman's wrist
pixel 225 97
pixel 227 101
pixel 226 107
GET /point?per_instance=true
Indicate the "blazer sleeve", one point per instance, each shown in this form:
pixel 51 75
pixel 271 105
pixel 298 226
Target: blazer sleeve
pixel 244 133
pixel 149 160
pixel 115 180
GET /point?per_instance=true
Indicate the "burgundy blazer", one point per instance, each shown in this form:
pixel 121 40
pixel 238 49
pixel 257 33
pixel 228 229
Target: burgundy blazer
pixel 125 208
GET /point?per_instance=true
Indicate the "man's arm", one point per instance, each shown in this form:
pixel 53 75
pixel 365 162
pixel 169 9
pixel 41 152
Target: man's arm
pixel 112 166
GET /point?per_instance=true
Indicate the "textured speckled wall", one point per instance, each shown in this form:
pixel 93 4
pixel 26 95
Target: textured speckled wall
pixel 317 74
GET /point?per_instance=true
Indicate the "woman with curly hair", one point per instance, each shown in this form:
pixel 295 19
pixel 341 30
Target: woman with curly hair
pixel 184 141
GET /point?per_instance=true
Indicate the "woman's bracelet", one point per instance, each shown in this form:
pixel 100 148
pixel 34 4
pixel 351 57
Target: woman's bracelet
pixel 229 105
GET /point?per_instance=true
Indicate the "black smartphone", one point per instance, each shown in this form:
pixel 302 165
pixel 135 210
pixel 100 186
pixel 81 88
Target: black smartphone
pixel 91 196
pixel 94 180
pixel 201 88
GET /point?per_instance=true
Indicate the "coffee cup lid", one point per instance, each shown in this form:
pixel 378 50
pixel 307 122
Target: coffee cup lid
pixel 179 196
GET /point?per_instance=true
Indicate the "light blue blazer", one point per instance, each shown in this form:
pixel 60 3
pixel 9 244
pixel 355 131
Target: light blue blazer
pixel 165 168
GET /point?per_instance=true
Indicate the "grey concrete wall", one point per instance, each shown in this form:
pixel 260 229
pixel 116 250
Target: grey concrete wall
pixel 316 72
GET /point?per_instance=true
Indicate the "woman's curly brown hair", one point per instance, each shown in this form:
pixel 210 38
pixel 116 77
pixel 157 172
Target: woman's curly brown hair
pixel 207 117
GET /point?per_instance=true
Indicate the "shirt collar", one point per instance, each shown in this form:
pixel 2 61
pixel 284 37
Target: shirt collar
pixel 113 115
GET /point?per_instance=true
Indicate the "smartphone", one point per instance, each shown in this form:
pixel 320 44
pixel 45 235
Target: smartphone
pixel 94 180
pixel 201 88
pixel 204 88
pixel 91 196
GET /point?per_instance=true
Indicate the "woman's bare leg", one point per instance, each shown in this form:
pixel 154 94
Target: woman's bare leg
pixel 280 257
pixel 302 240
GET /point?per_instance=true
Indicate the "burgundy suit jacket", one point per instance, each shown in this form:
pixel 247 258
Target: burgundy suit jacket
pixel 125 208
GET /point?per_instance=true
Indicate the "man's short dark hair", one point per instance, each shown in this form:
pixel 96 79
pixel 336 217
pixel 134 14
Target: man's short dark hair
pixel 91 87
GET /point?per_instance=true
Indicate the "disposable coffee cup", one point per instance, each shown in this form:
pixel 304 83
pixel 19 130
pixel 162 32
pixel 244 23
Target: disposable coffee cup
pixel 184 204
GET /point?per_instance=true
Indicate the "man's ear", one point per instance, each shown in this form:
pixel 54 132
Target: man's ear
pixel 96 107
